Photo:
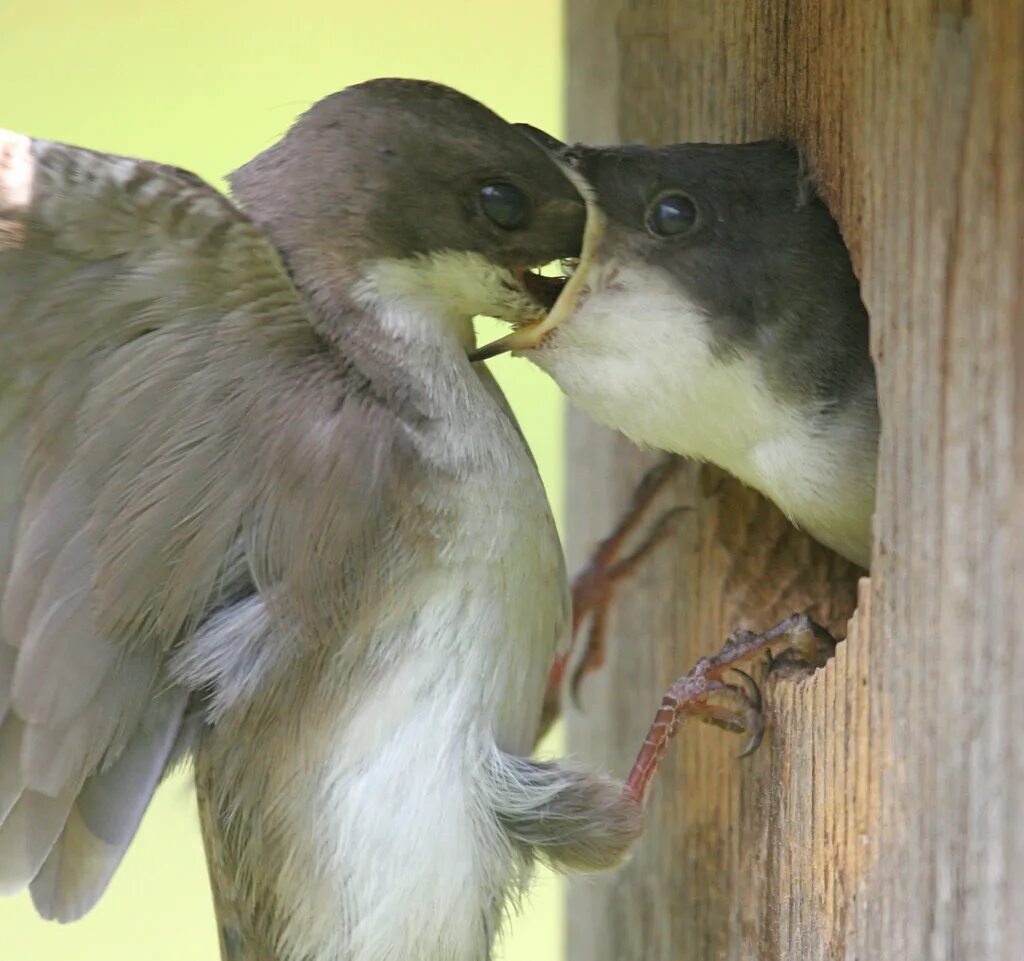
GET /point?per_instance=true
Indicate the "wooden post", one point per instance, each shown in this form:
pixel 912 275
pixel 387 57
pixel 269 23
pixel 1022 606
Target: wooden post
pixel 883 818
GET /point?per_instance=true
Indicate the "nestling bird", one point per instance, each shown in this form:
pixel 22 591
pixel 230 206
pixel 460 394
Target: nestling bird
pixel 257 505
pixel 715 314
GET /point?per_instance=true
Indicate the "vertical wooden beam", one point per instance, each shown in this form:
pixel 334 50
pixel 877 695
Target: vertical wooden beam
pixel 881 819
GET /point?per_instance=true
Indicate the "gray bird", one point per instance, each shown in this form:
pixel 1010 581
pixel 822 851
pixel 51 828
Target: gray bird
pixel 257 505
pixel 715 314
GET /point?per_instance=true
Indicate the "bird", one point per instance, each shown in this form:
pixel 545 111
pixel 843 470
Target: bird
pixel 259 509
pixel 715 314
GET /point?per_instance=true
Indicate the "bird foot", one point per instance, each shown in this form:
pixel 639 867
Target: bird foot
pixel 793 646
pixel 594 586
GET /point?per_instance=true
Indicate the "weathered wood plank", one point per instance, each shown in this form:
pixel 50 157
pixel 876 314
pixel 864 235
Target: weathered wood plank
pixel 881 819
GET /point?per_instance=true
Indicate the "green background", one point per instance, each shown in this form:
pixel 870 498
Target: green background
pixel 205 85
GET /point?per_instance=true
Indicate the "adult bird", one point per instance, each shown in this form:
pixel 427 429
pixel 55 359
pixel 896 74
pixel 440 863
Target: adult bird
pixel 258 506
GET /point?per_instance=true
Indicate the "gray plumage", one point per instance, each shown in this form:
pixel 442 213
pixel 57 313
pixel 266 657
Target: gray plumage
pixel 256 503
pixel 740 339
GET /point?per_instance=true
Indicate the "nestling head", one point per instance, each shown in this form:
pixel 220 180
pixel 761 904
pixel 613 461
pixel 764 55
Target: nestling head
pixel 704 265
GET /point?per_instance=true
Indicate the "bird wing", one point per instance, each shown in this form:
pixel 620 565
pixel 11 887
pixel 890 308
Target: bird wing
pixel 175 438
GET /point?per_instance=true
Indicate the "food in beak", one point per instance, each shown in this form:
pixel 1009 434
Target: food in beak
pixel 544 290
pixel 557 294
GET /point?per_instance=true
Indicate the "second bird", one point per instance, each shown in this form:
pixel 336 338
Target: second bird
pixel 715 314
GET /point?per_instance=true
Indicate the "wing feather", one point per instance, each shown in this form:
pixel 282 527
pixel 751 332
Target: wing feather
pixel 11 781
pixel 106 815
pixel 170 431
pixel 29 833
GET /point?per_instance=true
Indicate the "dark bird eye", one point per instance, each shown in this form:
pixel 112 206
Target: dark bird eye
pixel 671 215
pixel 505 205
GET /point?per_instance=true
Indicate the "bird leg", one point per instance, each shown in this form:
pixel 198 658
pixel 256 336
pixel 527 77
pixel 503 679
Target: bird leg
pixel 795 642
pixel 594 586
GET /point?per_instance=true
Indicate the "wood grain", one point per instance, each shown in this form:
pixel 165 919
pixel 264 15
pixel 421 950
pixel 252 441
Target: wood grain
pixel 882 818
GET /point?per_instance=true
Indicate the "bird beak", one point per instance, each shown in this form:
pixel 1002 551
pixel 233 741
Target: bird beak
pixel 531 334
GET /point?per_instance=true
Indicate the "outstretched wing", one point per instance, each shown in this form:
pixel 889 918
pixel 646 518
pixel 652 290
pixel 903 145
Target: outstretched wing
pixel 170 428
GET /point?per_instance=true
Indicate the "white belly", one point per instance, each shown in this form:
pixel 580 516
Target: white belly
pixel 409 858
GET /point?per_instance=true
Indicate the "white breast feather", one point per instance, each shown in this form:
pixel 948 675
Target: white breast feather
pixel 637 356
pixel 395 819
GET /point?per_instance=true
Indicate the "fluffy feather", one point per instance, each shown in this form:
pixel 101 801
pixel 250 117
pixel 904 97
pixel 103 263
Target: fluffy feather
pixel 145 326
pixel 297 530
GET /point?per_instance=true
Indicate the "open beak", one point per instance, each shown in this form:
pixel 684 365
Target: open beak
pixel 567 294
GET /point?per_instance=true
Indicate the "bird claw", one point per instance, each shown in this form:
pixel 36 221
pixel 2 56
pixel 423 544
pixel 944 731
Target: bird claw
pixel 798 641
pixel 754 714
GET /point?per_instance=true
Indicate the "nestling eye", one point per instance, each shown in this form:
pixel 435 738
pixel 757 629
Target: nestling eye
pixel 671 215
pixel 504 204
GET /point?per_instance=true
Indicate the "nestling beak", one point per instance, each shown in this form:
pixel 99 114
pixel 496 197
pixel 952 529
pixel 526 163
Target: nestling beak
pixel 532 333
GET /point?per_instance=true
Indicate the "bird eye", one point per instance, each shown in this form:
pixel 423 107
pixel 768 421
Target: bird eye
pixel 504 204
pixel 671 215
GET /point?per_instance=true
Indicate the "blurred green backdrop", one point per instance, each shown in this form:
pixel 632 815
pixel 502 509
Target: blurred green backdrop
pixel 205 84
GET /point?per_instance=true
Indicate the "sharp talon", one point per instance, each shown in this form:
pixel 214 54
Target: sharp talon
pixel 688 697
pixel 754 714
pixel 753 744
pixel 753 692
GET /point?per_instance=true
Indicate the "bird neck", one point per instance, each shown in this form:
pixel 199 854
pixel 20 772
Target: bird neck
pixel 404 341
pixel 417 301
